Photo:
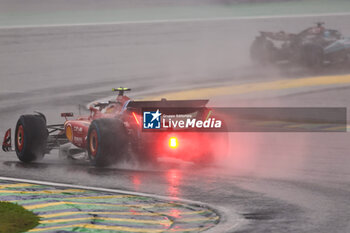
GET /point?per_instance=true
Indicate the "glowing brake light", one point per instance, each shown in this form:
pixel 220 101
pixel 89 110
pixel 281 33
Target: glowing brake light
pixel 173 143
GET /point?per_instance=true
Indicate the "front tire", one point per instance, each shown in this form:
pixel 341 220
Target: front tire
pixel 30 138
pixel 106 142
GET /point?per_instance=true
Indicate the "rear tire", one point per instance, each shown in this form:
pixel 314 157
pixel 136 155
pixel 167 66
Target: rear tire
pixel 262 51
pixel 313 56
pixel 106 141
pixel 30 138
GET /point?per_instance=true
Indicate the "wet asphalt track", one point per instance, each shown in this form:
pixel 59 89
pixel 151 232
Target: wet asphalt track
pixel 276 182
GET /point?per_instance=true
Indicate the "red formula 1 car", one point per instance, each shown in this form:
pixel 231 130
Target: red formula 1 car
pixel 114 132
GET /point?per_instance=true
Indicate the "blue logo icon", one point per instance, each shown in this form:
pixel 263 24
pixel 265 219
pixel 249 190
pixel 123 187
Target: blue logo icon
pixel 151 120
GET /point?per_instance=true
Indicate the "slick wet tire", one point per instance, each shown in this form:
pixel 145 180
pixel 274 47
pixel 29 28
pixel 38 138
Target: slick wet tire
pixel 106 141
pixel 313 56
pixel 262 51
pixel 30 138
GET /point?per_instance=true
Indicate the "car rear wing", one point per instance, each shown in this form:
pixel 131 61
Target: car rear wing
pixel 179 106
pixel 167 104
pixel 278 36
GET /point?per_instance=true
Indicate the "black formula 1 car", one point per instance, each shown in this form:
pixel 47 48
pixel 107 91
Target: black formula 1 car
pixel 313 47
pixel 115 131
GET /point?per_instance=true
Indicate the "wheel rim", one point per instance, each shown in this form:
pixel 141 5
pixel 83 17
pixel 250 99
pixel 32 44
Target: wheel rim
pixel 20 136
pixel 93 143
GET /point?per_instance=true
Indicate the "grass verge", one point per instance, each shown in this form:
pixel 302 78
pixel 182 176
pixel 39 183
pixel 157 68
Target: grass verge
pixel 14 218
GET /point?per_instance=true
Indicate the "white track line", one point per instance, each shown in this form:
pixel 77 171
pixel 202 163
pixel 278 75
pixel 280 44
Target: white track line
pixel 229 220
pixel 181 20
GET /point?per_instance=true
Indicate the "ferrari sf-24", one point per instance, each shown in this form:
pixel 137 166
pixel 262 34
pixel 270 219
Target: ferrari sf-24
pixel 113 132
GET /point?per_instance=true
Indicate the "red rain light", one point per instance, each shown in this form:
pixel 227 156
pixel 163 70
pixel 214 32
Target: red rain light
pixel 173 143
